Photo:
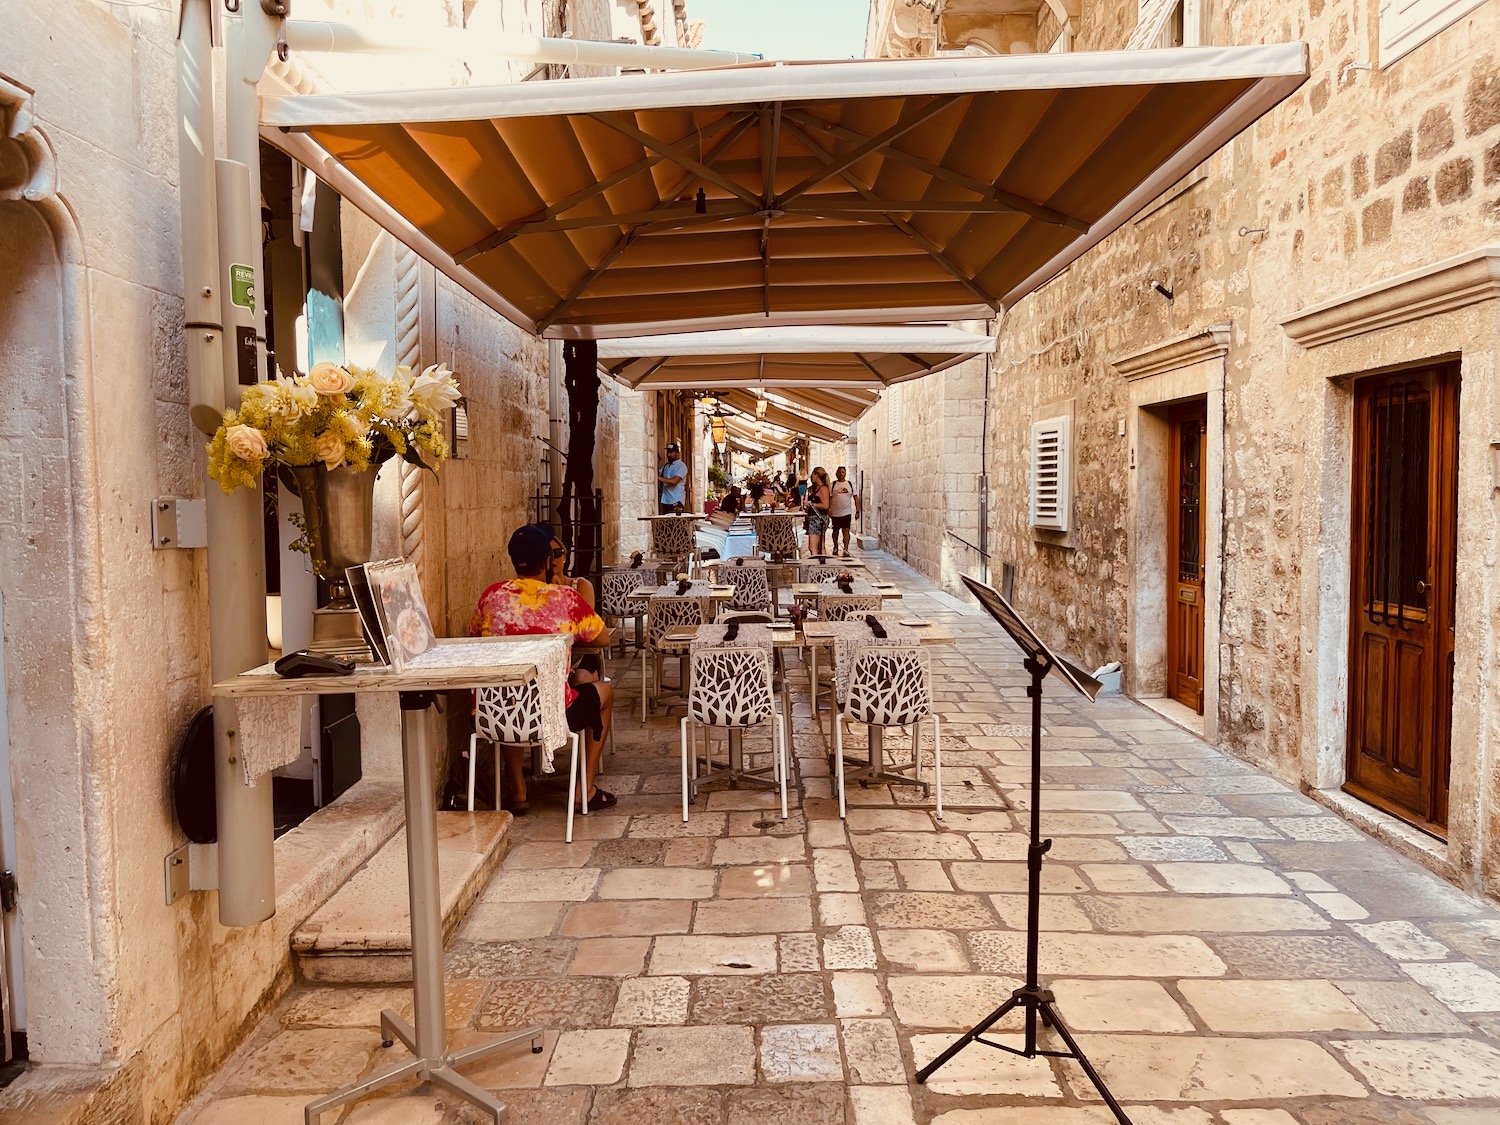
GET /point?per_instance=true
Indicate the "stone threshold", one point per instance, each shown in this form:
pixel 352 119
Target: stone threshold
pixel 1178 714
pixel 1394 832
pixel 362 934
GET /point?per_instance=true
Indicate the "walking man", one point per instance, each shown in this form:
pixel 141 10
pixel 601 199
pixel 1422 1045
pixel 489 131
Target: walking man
pixel 843 506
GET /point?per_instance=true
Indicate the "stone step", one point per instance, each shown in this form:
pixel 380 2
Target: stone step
pixel 362 935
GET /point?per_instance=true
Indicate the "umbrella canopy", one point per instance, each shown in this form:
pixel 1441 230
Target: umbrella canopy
pixel 787 194
pixel 836 357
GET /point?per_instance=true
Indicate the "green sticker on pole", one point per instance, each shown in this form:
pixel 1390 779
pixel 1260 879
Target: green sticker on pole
pixel 242 286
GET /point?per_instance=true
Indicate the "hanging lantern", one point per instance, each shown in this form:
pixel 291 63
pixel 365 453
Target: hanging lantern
pixel 760 407
pixel 717 426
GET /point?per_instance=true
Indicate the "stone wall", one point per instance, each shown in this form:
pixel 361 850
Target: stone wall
pixel 926 485
pixel 131 1001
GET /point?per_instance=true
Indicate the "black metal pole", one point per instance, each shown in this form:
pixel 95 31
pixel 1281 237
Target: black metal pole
pixel 1034 853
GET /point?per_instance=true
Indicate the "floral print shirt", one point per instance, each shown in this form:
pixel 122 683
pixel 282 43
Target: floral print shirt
pixel 529 606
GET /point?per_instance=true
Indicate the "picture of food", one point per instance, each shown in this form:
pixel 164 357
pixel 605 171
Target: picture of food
pixel 398 593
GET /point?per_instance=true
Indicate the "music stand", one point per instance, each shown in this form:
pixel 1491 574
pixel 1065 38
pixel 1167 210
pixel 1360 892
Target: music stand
pixel 1037 1002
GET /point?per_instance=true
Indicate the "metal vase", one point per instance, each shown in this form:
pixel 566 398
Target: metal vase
pixel 339 507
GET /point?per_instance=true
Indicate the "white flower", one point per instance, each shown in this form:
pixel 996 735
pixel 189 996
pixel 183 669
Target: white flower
pixel 434 391
pixel 289 399
pixel 329 449
pixel 246 442
pixel 329 379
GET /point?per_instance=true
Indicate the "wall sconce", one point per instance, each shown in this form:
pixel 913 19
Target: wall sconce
pixel 458 430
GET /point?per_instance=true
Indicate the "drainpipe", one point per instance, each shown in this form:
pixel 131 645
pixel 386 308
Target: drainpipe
pixel 984 462
pixel 320 35
pixel 554 418
pixel 236 578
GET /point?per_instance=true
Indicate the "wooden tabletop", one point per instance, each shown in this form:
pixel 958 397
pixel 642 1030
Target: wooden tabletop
pixel 675 516
pixel 820 633
pixel 717 593
pixel 886 590
pixel 377 677
pixel 781 636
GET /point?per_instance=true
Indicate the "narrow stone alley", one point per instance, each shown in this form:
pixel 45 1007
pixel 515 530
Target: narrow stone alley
pixel 1230 952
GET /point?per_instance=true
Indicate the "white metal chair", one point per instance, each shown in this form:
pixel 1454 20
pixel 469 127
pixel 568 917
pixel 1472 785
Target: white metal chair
pixel 839 606
pixel 751 582
pixel 731 687
pixel 512 716
pixel 776 535
pixel 615 602
pixel 890 686
pixel 820 572
pixel 664 615
pixel 673 539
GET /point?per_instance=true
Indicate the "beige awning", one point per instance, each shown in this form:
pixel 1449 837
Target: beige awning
pixel 839 358
pixel 780 194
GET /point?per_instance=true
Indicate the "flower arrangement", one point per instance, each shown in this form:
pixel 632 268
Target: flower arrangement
pixel 334 416
pixel 756 484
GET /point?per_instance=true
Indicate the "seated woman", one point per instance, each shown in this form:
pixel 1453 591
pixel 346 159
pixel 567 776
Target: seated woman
pixel 528 605
pixel 556 560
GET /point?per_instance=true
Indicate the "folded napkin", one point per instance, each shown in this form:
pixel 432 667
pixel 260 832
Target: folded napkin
pixel 683 586
pixel 875 626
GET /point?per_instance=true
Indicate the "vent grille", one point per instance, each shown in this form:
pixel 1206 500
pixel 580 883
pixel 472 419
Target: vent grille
pixel 1051 460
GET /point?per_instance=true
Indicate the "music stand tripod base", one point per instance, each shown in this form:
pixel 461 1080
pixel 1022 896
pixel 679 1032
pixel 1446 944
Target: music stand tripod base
pixel 1036 1002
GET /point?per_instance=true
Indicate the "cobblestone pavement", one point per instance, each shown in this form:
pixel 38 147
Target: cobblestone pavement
pixel 1230 952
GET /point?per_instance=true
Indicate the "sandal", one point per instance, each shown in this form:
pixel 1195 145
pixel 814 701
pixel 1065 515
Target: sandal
pixel 601 800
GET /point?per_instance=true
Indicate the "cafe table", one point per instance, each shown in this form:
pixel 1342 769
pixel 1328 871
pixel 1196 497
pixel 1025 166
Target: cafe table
pixel 451 665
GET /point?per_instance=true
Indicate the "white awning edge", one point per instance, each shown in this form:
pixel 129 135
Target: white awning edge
pixel 822 339
pixel 788 81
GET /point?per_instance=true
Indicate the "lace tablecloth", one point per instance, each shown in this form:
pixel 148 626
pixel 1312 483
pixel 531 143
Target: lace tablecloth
pixel 750 636
pixel 851 636
pixel 697 589
pixel 270 726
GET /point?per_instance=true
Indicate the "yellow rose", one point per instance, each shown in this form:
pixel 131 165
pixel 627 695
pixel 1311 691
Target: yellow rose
pixel 329 449
pixel 247 443
pixel 330 379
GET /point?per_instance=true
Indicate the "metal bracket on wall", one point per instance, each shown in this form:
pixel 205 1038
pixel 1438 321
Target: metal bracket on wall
pixel 176 522
pixel 192 867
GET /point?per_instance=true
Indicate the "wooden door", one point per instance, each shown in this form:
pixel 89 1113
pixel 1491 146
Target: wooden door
pixel 1404 540
pixel 1185 530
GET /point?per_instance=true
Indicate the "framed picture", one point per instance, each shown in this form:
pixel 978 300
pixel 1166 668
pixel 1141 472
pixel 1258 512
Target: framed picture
pixel 402 611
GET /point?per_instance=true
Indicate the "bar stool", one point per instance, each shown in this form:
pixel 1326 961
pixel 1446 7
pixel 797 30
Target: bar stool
pixel 512 716
pixel 890 686
pixel 731 687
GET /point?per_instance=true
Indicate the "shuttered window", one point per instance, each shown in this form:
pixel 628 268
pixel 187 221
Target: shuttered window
pixel 1051 473
pixel 893 413
pixel 1406 24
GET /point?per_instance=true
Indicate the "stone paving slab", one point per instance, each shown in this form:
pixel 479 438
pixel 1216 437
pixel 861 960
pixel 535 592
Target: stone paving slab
pixel 1228 951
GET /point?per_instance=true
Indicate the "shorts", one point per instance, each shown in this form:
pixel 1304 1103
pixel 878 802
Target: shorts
pixel 815 523
pixel 584 712
pixel 841 523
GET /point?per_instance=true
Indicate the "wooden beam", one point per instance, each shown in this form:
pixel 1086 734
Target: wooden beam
pixel 678 153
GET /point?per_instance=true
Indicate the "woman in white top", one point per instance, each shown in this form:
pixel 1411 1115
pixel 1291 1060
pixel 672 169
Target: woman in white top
pixel 843 505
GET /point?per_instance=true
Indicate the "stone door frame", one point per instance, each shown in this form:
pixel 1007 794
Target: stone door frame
pixel 1176 370
pixel 1446 311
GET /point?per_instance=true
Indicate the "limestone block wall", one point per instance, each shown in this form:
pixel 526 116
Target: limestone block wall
pixel 106 639
pixel 927 484
pixel 635 459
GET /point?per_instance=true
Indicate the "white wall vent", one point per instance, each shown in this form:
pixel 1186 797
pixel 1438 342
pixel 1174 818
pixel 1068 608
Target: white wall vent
pixel 1051 472
pixel 893 407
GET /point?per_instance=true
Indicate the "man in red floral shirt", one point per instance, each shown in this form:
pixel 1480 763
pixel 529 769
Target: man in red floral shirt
pixel 529 605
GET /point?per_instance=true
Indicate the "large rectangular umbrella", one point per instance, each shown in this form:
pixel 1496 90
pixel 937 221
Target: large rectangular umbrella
pixel 780 194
